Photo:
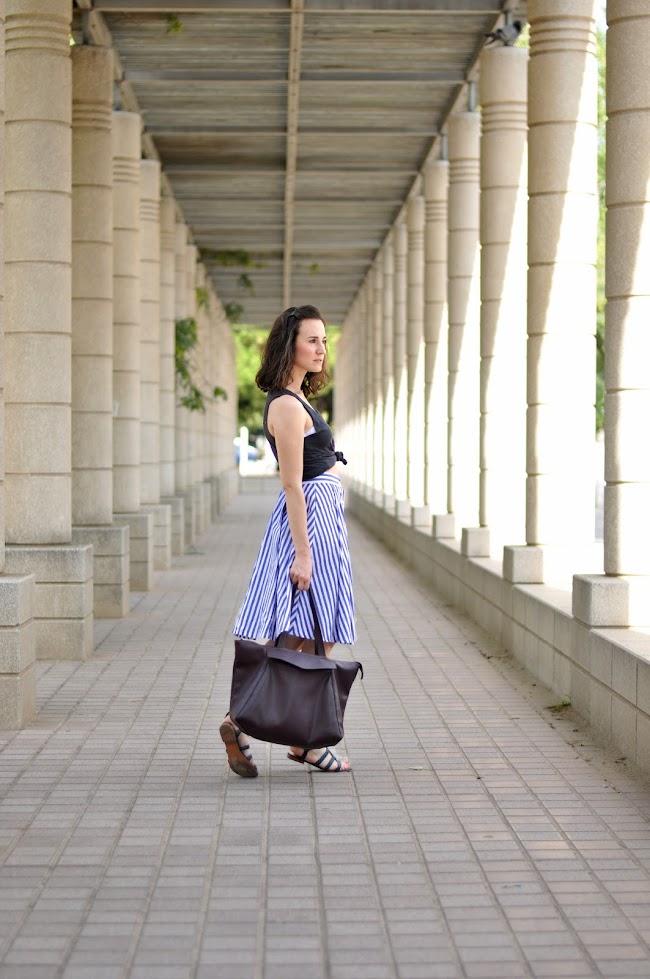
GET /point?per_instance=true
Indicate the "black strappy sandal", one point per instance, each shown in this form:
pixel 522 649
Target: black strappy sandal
pixel 240 756
pixel 328 761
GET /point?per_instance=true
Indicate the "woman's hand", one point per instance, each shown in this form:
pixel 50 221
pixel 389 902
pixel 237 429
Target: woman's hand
pixel 300 571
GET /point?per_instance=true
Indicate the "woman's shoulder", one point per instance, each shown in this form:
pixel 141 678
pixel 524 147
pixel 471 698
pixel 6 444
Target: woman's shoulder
pixel 286 403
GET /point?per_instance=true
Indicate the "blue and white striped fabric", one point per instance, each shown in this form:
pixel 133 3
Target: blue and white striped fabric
pixel 267 610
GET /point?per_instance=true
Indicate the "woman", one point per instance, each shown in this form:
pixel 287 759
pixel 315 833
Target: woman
pixel 305 544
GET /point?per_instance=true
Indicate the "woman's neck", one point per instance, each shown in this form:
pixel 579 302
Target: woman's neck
pixel 295 386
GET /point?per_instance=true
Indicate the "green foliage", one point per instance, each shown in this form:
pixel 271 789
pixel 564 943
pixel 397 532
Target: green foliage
pixel 234 311
pixel 174 24
pixel 232 258
pixel 249 343
pixel 560 706
pixel 523 41
pixel 202 297
pixel 192 397
pixel 245 282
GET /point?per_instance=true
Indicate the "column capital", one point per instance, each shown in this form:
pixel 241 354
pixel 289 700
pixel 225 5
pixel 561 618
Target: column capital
pixel 504 79
pixel 92 87
pixel 463 135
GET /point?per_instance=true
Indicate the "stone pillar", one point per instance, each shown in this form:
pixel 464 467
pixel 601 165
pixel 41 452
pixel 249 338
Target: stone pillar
pixel 464 130
pixel 622 596
pixel 388 380
pixel 369 330
pixel 400 455
pixel 562 218
pixel 377 385
pixel 38 333
pixel 420 515
pixel 504 201
pixel 92 330
pixel 150 365
pixel 150 331
pixel 436 190
pixel 180 312
pixel 127 349
pixel 192 421
pixel 17 635
pixel 202 470
pixel 168 376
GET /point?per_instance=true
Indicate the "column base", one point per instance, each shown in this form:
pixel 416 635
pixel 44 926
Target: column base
pixel 177 504
pixel 162 534
pixel 403 511
pixel 189 516
pixel 140 526
pixel 17 651
pixel 475 542
pixel 536 564
pixel 214 497
pixel 607 601
pixel 206 504
pixel 421 517
pixel 443 526
pixel 228 483
pixel 388 503
pixel 63 596
pixel 197 526
pixel 110 568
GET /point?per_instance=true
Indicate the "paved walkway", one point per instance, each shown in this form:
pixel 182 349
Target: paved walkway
pixel 480 834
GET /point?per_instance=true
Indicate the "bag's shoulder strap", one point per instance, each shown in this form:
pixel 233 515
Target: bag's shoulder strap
pixel 319 645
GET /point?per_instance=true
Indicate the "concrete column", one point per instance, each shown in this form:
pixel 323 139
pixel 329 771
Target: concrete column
pixel 436 327
pixel 17 636
pixel 359 394
pixel 504 201
pixel 350 340
pixel 622 596
pixel 192 419
pixel 400 455
pixel 420 515
pixel 38 331
pixel 168 376
pixel 206 385
pixel 369 329
pixel 464 134
pixel 92 330
pixel 214 407
pixel 127 355
pixel 388 379
pixel 377 385
pixel 150 364
pixel 150 331
pixel 180 312
pixel 562 218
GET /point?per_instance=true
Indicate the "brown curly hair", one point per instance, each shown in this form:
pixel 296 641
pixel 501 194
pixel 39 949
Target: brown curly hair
pixel 279 351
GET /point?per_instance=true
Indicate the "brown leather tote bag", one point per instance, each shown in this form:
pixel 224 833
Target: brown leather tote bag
pixel 289 697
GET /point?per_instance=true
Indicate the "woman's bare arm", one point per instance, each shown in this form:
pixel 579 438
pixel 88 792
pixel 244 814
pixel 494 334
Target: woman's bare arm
pixel 287 425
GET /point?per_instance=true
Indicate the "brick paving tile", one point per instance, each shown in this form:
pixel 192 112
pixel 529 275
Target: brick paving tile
pixel 473 840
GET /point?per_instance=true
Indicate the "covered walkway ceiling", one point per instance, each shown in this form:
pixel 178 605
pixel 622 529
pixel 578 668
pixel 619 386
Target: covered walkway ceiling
pixel 292 130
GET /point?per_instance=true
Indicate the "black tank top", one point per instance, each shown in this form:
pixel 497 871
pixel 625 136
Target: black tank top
pixel 319 452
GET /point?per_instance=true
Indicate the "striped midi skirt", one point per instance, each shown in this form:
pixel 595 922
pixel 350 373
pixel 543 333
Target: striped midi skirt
pixel 268 609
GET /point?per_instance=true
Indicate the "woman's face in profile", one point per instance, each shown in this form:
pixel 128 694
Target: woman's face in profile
pixel 310 348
